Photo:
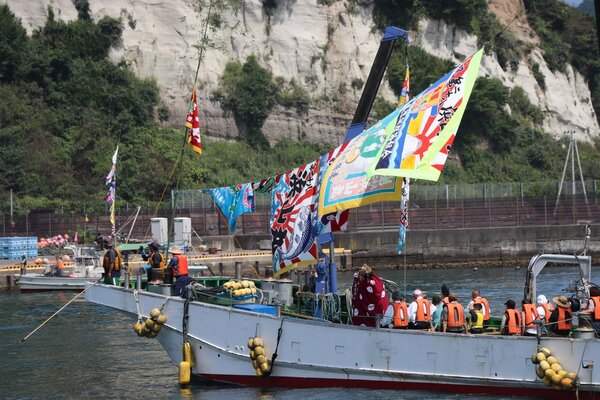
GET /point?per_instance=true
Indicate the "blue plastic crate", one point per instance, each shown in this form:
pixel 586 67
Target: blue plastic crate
pixel 258 308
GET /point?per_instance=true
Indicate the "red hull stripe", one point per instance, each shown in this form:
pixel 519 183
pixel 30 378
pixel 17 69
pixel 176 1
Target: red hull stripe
pixel 289 382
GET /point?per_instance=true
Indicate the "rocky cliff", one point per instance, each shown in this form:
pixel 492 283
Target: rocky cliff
pixel 323 47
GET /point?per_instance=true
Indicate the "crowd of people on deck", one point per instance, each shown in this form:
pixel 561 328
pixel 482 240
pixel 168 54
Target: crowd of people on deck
pixel 444 313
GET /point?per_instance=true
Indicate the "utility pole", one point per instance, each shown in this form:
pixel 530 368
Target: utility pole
pixel 572 152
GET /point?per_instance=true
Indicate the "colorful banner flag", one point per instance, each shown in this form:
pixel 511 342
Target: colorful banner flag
pixel 111 182
pixel 337 220
pixel 403 228
pixel 345 183
pixel 418 146
pixel 293 218
pixel 234 201
pixel 193 124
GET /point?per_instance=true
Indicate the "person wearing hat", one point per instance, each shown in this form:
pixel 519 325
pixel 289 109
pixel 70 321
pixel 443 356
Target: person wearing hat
pixel 369 300
pixel 511 320
pixel 561 319
pixel 111 262
pixel 155 259
pixel 419 312
pixel 544 308
pixel 179 267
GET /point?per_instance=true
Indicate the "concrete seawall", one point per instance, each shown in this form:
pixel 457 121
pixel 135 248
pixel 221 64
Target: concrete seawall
pixel 461 247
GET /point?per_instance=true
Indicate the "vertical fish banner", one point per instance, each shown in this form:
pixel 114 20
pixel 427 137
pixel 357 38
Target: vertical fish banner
pixel 293 218
pixel 192 122
pixel 418 146
pixel 110 198
pixel 234 201
pixel 403 228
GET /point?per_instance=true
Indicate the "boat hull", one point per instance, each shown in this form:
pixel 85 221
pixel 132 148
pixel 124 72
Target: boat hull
pixel 39 283
pixel 322 354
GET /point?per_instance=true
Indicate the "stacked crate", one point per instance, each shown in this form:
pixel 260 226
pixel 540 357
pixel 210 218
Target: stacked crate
pixel 14 247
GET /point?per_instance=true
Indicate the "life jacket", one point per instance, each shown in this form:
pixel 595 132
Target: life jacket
pixel 445 300
pixel 513 322
pixel 423 310
pixel 548 308
pixel 531 314
pixel 161 264
pixel 486 306
pixel 400 315
pixel 59 264
pixel 456 315
pixel 118 260
pixel 564 314
pixel 478 322
pixel 596 314
pixel 182 265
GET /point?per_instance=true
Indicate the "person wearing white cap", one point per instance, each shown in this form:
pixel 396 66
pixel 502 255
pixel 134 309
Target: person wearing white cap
pixel 419 312
pixel 544 308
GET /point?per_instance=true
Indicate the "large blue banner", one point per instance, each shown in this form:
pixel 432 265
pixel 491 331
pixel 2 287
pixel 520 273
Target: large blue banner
pixel 233 201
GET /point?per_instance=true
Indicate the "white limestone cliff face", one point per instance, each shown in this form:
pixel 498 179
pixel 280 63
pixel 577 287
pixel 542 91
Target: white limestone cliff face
pixel 322 47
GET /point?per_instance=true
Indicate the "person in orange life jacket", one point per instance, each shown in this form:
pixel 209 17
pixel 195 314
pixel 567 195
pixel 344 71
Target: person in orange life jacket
pixel 396 315
pixel 453 316
pixel 155 259
pixel 111 262
pixel 529 315
pixel 511 320
pixel 179 265
pixel 561 318
pixel 544 308
pixel 593 308
pixel 476 298
pixel 58 266
pixel 419 312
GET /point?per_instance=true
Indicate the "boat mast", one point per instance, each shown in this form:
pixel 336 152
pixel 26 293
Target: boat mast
pixel 361 116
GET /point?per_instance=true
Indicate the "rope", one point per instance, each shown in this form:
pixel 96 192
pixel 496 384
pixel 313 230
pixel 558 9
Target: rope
pixel 496 36
pixel 274 356
pixel 57 312
pixel 137 304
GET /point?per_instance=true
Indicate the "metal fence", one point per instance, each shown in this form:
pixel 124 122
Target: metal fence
pixel 431 207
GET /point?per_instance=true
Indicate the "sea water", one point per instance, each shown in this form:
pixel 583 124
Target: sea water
pixel 91 352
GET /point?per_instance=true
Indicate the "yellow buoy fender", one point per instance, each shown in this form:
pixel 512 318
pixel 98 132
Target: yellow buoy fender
pixel 252 355
pixel 551 360
pixel 540 357
pixel 259 351
pixel 544 365
pixel 534 358
pixel 161 320
pixel 258 342
pixel 556 367
pixel 154 313
pixel 547 381
pixel 549 373
pixel 251 343
pixel 264 367
pixel 556 379
pixel 187 354
pixel 261 359
pixel 185 373
pixel 149 323
pixel 546 351
pixel 567 383
pixel 156 328
pixel 540 373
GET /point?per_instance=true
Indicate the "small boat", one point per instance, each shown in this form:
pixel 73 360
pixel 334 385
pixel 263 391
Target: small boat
pixel 86 268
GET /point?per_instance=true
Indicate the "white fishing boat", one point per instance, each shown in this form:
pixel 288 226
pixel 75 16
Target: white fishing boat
pixel 86 268
pixel 319 353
